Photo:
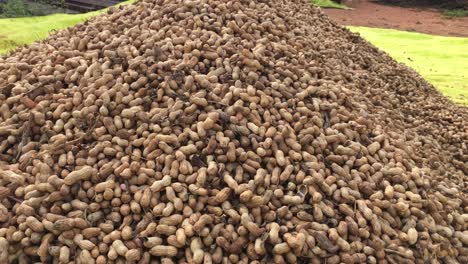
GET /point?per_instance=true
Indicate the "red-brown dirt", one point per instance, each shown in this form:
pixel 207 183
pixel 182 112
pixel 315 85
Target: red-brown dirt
pixel 424 20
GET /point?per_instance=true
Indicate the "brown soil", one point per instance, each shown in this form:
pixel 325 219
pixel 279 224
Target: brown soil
pixel 424 20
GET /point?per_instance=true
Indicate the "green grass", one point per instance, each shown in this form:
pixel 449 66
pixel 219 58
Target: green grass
pixel 443 61
pixel 328 4
pixel 455 13
pixel 25 30
pixel 18 31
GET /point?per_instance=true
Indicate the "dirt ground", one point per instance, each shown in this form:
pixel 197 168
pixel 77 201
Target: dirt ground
pixel 424 20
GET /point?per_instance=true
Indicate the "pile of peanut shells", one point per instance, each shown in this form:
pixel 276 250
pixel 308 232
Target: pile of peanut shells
pixel 215 131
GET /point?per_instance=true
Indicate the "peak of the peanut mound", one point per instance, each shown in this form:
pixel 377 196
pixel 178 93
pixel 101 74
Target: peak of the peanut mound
pixel 225 132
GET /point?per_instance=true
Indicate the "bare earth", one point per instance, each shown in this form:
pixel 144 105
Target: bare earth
pixel 424 20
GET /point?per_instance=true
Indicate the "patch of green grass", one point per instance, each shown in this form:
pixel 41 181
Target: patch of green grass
pixel 25 30
pixel 328 4
pixel 20 31
pixel 443 61
pixel 455 13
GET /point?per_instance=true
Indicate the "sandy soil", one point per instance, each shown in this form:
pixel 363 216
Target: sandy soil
pixel 424 20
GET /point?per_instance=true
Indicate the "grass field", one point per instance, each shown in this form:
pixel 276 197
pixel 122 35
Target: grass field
pixel 25 30
pixel 19 31
pixel 443 61
pixel 328 4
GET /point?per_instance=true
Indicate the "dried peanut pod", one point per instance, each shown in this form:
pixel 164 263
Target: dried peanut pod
pixel 4 192
pixel 91 232
pixel 273 234
pixel 153 241
pixel 163 251
pixel 158 185
pixel 281 248
pixel 10 176
pixel 223 195
pixel 4 245
pixel 85 257
pixel 412 236
pixel 373 148
pixel 64 224
pixel 79 175
pixel 4 216
pixel 119 247
pixel 34 224
pixel 64 255
pixel 43 249
pixel 133 255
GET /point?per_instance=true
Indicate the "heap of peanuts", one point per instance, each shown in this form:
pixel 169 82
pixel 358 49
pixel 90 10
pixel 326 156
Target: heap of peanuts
pixel 216 131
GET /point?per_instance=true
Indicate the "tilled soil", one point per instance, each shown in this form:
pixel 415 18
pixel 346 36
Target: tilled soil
pixel 424 20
